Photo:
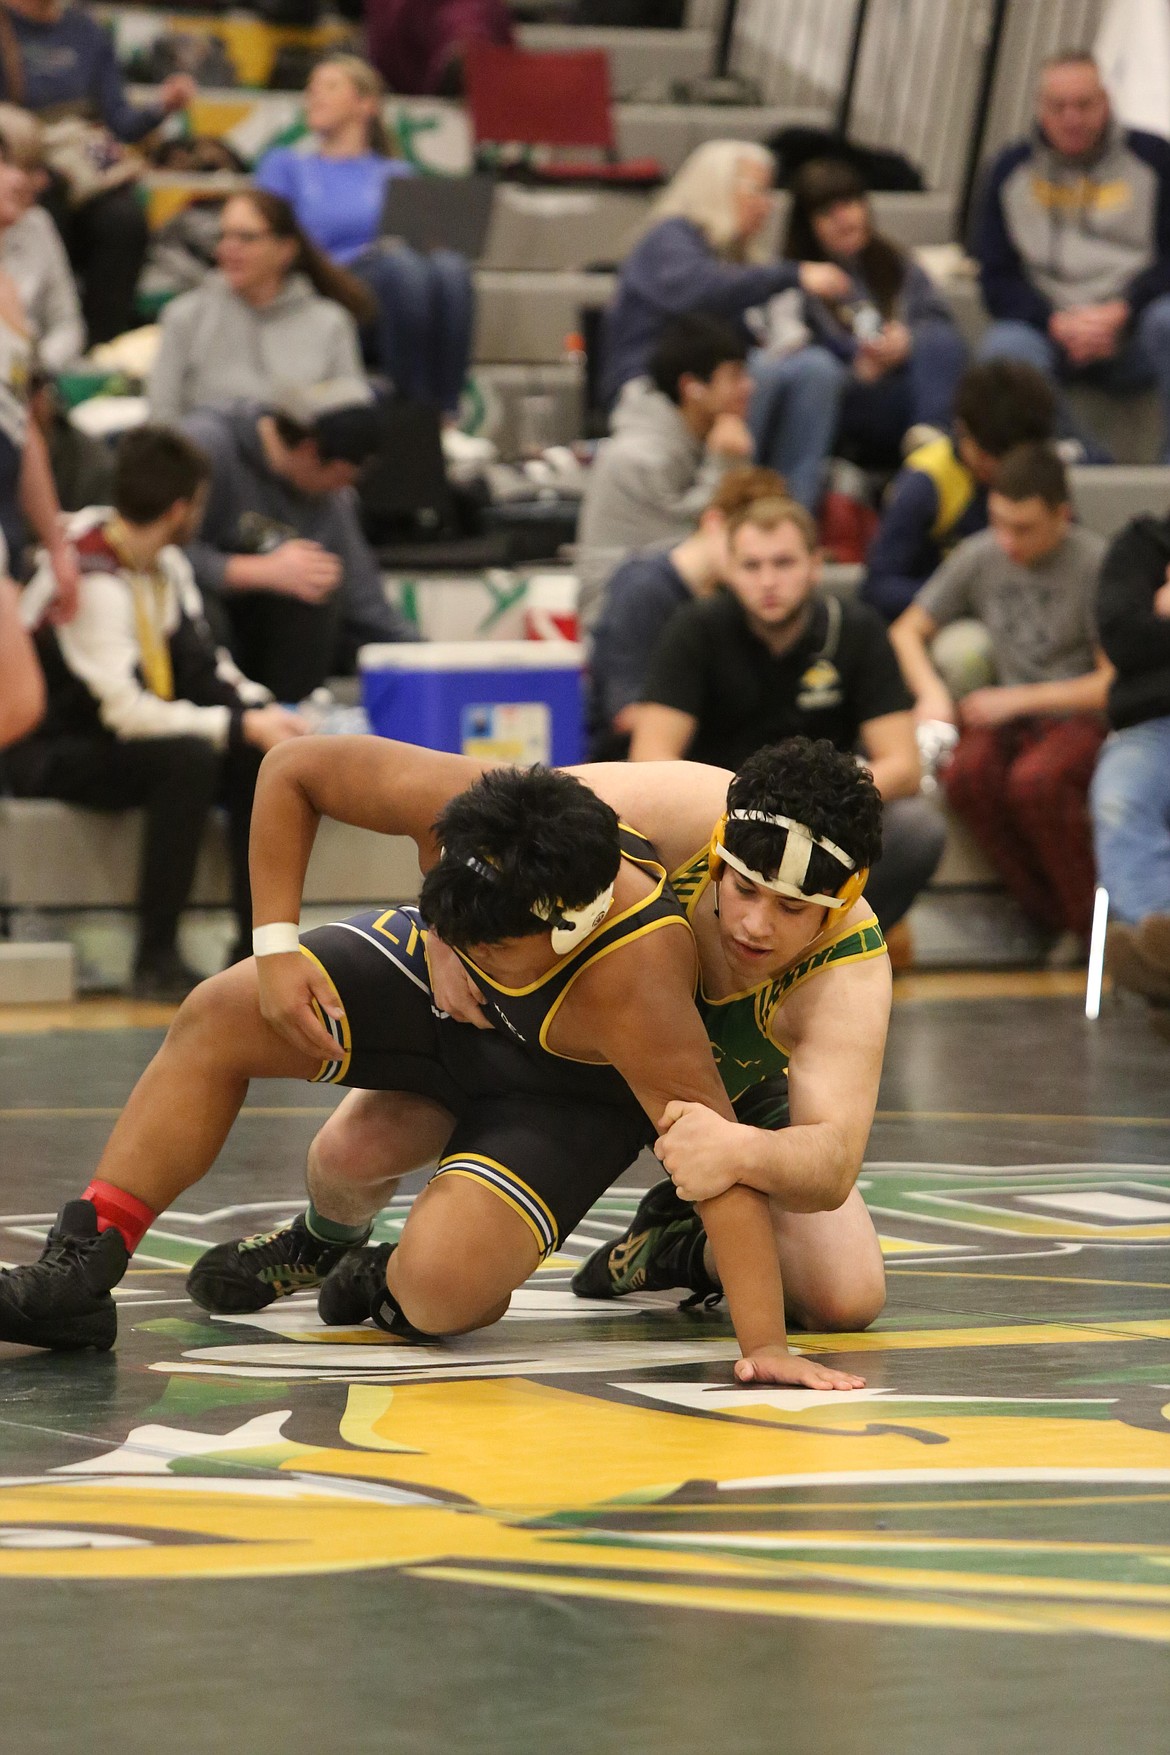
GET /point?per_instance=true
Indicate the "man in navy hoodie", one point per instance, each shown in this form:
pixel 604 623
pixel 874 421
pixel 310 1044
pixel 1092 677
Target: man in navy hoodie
pixel 1073 242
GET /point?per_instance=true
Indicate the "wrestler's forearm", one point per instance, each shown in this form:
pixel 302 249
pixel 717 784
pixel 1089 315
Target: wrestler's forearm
pixel 284 827
pixel 739 1230
pixel 806 1168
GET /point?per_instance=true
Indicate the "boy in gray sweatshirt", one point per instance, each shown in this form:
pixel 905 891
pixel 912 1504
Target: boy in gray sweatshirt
pixel 675 432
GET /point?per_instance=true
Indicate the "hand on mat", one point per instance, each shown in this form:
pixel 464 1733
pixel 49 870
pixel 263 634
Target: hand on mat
pixel 288 986
pixel 454 991
pixel 776 1364
pixel 701 1150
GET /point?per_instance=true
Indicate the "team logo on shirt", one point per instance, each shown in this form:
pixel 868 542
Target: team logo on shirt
pixel 819 687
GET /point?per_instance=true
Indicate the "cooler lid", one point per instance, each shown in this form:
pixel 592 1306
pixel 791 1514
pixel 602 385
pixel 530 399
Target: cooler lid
pixel 475 655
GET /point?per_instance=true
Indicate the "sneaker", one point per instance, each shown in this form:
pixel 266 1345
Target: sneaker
pixel 251 1272
pixel 354 1287
pixel 663 1248
pixel 1130 968
pixel 63 1300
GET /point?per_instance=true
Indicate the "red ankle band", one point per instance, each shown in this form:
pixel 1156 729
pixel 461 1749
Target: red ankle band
pixel 119 1211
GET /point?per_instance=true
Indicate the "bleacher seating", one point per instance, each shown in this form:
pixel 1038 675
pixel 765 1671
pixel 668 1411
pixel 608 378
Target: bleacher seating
pixel 58 857
pixel 548 257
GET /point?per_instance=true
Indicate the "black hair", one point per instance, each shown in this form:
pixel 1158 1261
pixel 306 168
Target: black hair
pixel 1003 403
pixel 824 183
pixel 154 467
pixel 1033 472
pixel 694 346
pixel 516 838
pixel 818 785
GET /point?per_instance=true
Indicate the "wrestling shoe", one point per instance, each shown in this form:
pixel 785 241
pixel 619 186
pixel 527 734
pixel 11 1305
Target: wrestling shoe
pixel 349 1294
pixel 63 1300
pixel 251 1272
pixel 662 1249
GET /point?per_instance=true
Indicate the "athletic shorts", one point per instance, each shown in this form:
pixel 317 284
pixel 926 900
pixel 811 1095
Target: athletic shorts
pixel 545 1135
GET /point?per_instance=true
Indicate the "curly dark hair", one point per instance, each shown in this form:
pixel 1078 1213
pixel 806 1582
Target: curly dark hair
pixel 516 838
pixel 818 785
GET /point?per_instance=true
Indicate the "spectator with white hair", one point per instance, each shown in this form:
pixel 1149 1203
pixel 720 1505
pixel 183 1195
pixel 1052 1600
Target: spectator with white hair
pixel 705 251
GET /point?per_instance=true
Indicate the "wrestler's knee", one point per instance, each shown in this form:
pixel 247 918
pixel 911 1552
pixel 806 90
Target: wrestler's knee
pixel 462 1255
pixel 377 1136
pixel 214 1015
pixel 844 1309
pixel 439 1298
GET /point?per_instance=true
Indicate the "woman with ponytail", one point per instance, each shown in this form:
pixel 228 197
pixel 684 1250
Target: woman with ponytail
pixel 277 313
pixel 335 181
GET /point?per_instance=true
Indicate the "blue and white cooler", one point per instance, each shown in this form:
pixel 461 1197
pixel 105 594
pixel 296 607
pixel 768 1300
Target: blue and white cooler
pixel 516 701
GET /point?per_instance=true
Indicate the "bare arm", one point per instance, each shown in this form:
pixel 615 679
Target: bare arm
pixel 891 754
pixel 644 1021
pixel 371 782
pixel 22 686
pixel 910 637
pixel 1075 694
pixel 839 1023
pixel 660 734
pixel 836 1029
pixel 42 509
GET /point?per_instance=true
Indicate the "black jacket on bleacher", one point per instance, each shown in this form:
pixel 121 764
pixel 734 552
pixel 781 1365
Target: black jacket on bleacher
pixel 1136 639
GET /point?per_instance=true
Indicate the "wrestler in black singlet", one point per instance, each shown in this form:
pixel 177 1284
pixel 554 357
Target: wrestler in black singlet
pixel 547 1134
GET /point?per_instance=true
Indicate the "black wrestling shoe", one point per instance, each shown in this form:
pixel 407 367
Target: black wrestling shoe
pixel 251 1272
pixel 662 1249
pixel 63 1300
pixel 355 1285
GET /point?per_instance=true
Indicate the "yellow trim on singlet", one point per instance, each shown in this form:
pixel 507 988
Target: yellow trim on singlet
pixel 640 932
pixel 602 926
pixel 463 1164
pixel 801 970
pixel 346 1044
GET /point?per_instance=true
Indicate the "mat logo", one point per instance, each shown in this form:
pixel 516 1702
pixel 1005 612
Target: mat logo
pixel 590 1451
pixel 668 1490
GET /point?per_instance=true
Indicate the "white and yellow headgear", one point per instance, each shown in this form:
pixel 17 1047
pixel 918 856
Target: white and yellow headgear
pixel 792 870
pixel 570 926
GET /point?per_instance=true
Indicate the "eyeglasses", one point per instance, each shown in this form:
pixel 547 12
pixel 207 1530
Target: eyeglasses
pixel 239 237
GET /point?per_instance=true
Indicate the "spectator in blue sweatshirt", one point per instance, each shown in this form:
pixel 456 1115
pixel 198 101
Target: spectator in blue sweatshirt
pixel 62 60
pixel 893 329
pixel 335 182
pixel 1073 241
pixel 703 252
pixel 940 495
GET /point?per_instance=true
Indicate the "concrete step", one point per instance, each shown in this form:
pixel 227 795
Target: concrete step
pixel 670 132
pixel 576 228
pixel 523 318
pixel 638 59
pixel 36 974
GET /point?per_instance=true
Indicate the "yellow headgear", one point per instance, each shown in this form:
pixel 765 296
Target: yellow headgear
pixel 792 870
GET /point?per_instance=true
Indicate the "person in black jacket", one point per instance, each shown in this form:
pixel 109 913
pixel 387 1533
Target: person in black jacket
pixel 1130 797
pixel 143 710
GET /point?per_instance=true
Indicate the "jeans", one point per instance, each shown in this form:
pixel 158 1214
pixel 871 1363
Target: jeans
pixel 913 833
pixel 426 310
pixel 793 415
pixel 876 417
pixel 1130 805
pixel 1142 360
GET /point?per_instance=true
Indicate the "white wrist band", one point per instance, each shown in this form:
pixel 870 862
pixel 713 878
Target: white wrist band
pixel 276 940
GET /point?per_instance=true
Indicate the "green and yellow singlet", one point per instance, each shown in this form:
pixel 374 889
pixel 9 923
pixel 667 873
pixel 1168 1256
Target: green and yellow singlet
pixel 739 1027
